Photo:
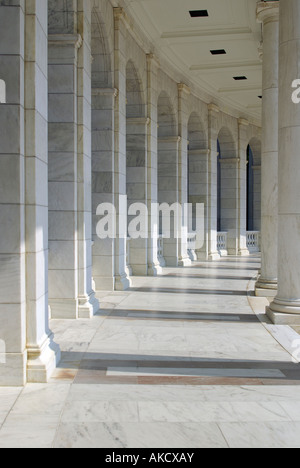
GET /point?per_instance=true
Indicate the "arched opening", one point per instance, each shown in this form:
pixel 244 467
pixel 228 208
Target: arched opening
pixel 167 178
pixel 101 65
pixel 2 92
pixel 227 193
pixel 136 172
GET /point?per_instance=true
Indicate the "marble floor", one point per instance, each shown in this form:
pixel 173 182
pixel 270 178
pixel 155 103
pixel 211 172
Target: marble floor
pixel 187 360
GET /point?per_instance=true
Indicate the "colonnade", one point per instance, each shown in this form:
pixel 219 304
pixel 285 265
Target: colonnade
pixel 101 120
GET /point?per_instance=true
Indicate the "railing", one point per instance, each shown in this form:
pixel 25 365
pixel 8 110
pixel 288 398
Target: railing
pixel 191 246
pixel 253 241
pixel 222 243
pixel 160 251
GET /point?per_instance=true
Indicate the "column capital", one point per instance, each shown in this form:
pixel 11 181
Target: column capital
pixel 243 122
pixel 105 92
pixel 267 12
pixel 184 89
pixel 152 59
pixel 120 16
pixel 213 108
pixel 65 40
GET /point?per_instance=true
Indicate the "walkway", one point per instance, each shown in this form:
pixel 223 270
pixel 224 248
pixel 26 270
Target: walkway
pixel 178 361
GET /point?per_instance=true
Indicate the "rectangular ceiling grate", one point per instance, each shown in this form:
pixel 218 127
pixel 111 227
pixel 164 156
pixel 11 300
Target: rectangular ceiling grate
pixel 199 13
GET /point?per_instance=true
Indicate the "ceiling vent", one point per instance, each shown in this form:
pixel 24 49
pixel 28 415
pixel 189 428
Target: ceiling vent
pixel 218 52
pixel 199 13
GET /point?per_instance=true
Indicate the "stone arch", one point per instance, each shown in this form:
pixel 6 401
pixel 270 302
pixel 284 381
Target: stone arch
pixel 227 145
pixel 101 66
pixel 2 92
pixel 254 185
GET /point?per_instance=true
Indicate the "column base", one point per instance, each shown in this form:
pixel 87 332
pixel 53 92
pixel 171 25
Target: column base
pixel 284 313
pixel 214 256
pixel 122 283
pixel 154 269
pixel 266 288
pixel 42 360
pixel 88 306
pixel 201 256
pixel 244 253
pixel 185 262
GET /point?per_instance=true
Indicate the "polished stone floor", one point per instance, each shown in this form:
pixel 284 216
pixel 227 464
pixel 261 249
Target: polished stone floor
pixel 185 360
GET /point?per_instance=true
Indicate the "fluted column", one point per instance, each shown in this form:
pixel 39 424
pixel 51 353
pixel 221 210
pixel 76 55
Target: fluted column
pixel 286 307
pixel 268 14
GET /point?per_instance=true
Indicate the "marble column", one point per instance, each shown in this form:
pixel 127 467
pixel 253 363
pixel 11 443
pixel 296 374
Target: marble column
pixel 242 188
pixel 154 267
pixel 183 116
pixel 285 308
pixel 122 281
pixel 88 305
pixel 27 350
pixel 213 112
pixel 268 14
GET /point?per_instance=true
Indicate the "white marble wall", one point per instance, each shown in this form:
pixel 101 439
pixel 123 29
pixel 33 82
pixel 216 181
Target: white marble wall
pixel 30 352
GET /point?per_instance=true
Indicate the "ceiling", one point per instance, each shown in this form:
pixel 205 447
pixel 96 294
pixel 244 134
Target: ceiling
pixel 186 42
